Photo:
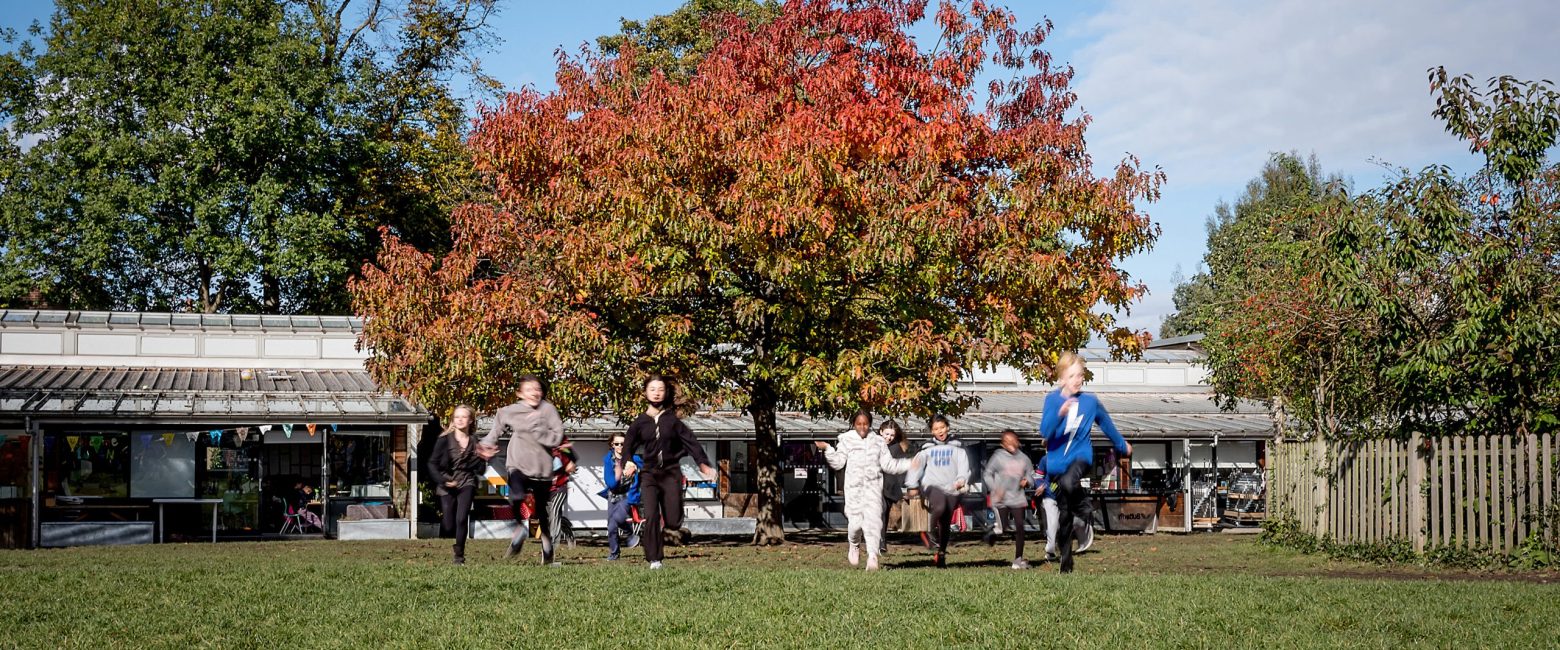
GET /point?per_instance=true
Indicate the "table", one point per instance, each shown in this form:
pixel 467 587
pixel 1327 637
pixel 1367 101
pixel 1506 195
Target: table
pixel 161 502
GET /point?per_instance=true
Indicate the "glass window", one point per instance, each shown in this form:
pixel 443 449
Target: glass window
pixel 87 463
pixel 15 470
pixel 162 465
pixel 359 464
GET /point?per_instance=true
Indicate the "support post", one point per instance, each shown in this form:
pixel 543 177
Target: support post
pixel 35 455
pixel 414 494
pixel 1186 482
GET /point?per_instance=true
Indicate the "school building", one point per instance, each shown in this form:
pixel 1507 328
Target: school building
pixel 126 427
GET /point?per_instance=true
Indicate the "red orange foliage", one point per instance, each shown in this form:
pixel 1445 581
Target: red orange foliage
pixel 821 218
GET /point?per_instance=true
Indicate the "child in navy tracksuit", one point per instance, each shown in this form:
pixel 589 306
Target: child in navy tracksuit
pixel 1068 417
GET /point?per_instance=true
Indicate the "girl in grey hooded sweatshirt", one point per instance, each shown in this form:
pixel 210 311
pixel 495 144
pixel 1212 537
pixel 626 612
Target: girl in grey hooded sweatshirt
pixel 1007 474
pixel 940 473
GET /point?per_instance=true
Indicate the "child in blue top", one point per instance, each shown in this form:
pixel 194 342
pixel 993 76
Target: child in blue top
pixel 1069 415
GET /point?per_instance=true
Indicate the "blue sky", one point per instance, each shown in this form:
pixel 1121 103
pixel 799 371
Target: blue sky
pixel 1204 89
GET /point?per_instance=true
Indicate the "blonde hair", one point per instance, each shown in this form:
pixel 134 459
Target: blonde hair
pixel 1065 361
pixel 471 428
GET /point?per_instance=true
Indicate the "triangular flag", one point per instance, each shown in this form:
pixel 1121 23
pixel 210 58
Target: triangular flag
pixel 243 435
pixel 265 428
pixel 97 442
pixel 310 426
pixel 72 440
pixel 332 428
pixel 216 436
pixel 167 440
pixel 287 429
pixel 191 435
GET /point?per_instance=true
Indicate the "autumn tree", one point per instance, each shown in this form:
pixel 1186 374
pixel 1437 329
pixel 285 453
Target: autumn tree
pixel 219 155
pixel 821 218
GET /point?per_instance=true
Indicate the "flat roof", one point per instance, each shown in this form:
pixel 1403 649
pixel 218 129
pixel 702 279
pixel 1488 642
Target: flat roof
pixel 111 320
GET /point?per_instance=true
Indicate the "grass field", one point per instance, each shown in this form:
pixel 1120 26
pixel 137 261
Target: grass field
pixel 1164 591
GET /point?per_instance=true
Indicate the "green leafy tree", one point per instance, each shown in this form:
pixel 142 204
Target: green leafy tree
pixel 818 219
pixel 1273 331
pixel 1428 304
pixel 1462 275
pixel 1190 294
pixel 216 155
pixel 675 43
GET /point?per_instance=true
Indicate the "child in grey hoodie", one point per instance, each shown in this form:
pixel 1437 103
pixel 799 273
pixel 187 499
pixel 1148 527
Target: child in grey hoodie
pixel 1006 476
pixel 940 472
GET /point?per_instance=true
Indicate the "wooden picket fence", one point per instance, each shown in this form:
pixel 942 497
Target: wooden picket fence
pixel 1472 491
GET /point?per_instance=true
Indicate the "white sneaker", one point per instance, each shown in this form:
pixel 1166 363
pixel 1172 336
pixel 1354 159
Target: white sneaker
pixel 854 555
pixel 655 565
pixel 872 563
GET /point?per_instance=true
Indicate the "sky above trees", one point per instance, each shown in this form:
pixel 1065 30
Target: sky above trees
pixel 1204 89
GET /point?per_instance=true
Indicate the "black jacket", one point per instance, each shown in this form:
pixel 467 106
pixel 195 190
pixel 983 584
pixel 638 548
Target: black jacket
pixel 663 444
pixel 446 463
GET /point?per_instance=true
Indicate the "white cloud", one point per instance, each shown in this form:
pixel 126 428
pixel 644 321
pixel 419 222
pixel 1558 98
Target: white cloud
pixel 1207 89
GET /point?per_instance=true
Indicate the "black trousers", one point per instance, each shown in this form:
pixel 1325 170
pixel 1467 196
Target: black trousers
pixel 940 505
pixel 521 485
pixel 1072 504
pixel 888 507
pixel 456 503
pixel 661 496
pixel 1013 518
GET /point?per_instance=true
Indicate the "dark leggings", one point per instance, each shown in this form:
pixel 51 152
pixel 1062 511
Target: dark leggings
pixel 521 485
pixel 888 507
pixel 660 492
pixel 1071 503
pixel 1013 517
pixel 941 506
pixel 457 515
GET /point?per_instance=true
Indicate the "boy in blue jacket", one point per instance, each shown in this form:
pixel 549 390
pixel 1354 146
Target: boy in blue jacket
pixel 621 495
pixel 1068 417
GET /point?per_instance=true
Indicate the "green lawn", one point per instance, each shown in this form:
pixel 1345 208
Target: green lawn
pixel 1174 591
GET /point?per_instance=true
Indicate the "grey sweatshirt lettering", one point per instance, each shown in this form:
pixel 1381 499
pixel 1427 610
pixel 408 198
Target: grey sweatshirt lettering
pixel 942 464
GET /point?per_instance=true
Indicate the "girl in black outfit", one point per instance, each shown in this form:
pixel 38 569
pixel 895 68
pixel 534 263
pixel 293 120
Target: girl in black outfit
pixel 661 439
pixel 893 484
pixel 455 465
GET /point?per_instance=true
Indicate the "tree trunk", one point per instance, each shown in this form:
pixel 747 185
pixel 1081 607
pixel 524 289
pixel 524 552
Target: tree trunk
pixel 766 456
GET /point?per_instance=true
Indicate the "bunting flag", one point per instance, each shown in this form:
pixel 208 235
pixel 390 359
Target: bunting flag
pixel 216 437
pixel 265 428
pixel 288 430
pixel 310 426
pixel 191 435
pixel 243 435
pixel 167 440
pixel 332 428
pixel 72 440
pixel 97 442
